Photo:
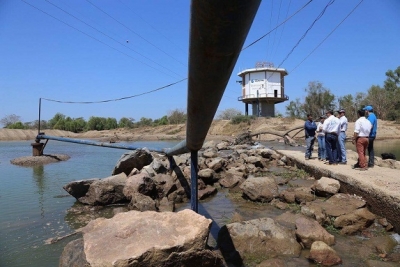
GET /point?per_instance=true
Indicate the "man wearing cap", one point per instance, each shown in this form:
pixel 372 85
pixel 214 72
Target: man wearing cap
pixel 331 128
pixel 310 127
pixel 342 137
pixel 369 113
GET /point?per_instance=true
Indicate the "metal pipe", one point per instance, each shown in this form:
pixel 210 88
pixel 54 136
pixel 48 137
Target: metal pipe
pixel 218 30
pixel 40 107
pixel 193 181
pixel 93 143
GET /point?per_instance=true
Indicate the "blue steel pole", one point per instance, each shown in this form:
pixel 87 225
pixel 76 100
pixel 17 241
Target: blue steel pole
pixel 40 107
pixel 194 187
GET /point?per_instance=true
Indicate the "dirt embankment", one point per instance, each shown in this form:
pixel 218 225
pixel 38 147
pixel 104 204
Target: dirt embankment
pixel 220 129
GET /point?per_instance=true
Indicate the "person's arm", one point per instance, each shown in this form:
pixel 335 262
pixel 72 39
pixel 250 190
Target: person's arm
pixel 355 136
pixel 356 131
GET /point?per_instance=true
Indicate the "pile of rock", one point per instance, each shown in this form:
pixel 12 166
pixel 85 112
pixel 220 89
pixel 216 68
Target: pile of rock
pixel 149 183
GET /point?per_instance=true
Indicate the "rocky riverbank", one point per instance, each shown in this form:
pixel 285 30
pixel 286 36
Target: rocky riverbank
pixel 315 213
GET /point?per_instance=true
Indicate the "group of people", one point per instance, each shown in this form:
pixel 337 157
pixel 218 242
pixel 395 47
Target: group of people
pixel 331 135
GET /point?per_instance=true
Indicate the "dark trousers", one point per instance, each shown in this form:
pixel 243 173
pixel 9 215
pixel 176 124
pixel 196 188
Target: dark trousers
pixel 371 154
pixel 331 147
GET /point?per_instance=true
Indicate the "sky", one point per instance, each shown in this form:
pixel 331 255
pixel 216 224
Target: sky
pixel 97 50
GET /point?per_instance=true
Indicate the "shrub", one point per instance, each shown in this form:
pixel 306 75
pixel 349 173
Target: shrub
pixel 241 118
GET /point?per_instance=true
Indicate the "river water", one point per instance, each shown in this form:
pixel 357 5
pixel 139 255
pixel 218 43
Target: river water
pixel 34 205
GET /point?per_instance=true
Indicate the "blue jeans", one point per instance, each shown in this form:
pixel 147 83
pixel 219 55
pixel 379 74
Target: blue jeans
pixel 341 150
pixel 321 147
pixel 309 146
pixel 331 149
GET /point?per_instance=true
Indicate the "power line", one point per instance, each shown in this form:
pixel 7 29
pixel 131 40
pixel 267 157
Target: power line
pixel 135 32
pixel 154 28
pixel 94 38
pixel 309 28
pixel 277 20
pixel 111 37
pixel 270 23
pixel 283 28
pixel 334 29
pixel 117 99
pixel 283 22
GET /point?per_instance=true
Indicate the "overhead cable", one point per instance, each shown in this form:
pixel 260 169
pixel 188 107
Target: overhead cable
pixel 135 32
pixel 277 26
pixel 337 26
pixel 116 99
pixel 112 38
pixel 94 38
pixel 305 33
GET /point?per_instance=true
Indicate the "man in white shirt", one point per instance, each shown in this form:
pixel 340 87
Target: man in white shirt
pixel 342 137
pixel 362 129
pixel 331 128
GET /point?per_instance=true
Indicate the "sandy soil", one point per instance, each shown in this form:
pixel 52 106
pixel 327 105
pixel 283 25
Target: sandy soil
pixel 220 129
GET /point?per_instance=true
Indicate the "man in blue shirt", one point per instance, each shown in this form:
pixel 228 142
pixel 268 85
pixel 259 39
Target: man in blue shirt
pixel 310 127
pixel 369 113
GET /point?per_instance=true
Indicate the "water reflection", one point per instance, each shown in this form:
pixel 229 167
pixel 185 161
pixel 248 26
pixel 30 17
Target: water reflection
pixel 38 176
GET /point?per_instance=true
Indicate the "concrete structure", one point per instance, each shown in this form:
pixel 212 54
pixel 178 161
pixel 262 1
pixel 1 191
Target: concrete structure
pixel 263 87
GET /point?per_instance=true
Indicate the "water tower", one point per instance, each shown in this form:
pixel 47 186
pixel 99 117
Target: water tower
pixel 263 87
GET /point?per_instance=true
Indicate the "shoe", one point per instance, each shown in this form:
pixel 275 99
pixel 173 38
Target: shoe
pixel 355 166
pixel 333 163
pixel 307 158
pixel 370 166
pixel 342 163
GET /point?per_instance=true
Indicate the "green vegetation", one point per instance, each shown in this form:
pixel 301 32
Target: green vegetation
pixel 241 118
pixel 385 100
pixel 76 125
pixel 330 227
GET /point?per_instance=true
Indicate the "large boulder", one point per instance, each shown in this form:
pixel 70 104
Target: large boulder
pixel 262 189
pixel 308 231
pixel 326 186
pixel 341 204
pixel 149 239
pixel 106 191
pixel 323 254
pixel 256 238
pixel 133 159
pixel 140 183
pixel 78 189
pixel 354 221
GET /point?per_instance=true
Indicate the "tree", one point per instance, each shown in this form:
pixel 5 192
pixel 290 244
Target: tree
pixel 10 119
pixel 161 121
pixel 144 122
pixel 111 123
pixel 17 125
pixel 96 123
pixel 318 100
pixel 381 100
pixel 228 114
pixel 295 109
pixel 176 116
pixel 58 117
pixel 126 122
pixel 392 82
pixel 392 86
pixel 347 103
